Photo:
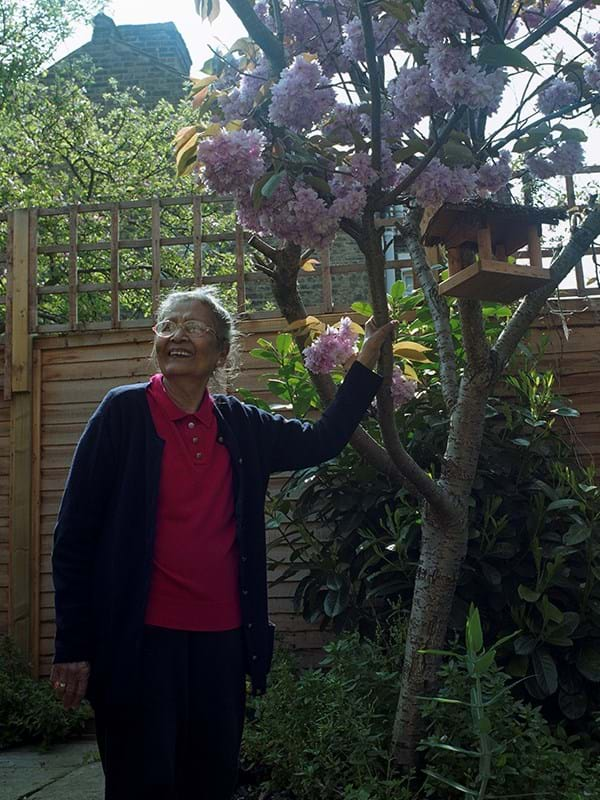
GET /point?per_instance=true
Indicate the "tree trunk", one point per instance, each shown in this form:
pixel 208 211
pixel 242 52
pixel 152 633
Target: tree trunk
pixel 443 548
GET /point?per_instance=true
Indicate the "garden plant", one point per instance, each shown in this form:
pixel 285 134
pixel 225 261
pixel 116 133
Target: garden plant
pixel 328 114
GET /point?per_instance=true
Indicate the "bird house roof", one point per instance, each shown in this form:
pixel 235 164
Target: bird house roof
pixel 455 224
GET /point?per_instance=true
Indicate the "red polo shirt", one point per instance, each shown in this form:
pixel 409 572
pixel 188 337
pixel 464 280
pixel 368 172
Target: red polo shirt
pixel 194 584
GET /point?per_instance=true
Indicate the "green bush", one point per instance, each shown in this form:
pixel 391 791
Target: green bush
pixel 326 732
pixel 483 742
pixel 29 710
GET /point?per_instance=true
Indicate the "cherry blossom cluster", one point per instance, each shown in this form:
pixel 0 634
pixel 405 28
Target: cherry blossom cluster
pixel 556 95
pixel 302 96
pixel 591 72
pixel 332 348
pixel 315 141
pixel 232 159
pixel 563 159
pixel 403 389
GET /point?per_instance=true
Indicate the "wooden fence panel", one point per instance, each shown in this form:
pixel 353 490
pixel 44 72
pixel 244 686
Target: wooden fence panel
pixel 4 498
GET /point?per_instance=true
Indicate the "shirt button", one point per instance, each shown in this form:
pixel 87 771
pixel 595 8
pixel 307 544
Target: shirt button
pixel 249 625
pixel 244 559
pixel 254 658
pixel 220 439
pixel 195 440
pixel 191 424
pixel 244 592
pixel 240 460
pixel 198 456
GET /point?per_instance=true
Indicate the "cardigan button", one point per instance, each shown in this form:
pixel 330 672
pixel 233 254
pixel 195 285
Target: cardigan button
pixel 249 625
pixel 240 460
pixel 254 658
pixel 244 559
pixel 191 424
pixel 244 592
pixel 220 439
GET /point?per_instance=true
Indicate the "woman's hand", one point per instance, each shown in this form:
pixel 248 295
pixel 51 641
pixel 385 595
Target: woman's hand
pixel 70 681
pixel 373 341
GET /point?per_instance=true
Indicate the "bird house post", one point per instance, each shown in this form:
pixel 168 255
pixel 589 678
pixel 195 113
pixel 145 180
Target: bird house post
pixel 479 238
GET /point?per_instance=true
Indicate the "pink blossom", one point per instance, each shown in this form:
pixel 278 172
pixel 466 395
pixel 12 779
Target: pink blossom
pixel 412 95
pixel 491 177
pixel 402 389
pixel 302 96
pixel 385 32
pixel 350 197
pixel 440 184
pixel 556 95
pixel 564 159
pixel 332 348
pixel 232 159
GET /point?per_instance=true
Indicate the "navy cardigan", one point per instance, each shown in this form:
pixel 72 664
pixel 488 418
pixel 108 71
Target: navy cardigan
pixel 104 536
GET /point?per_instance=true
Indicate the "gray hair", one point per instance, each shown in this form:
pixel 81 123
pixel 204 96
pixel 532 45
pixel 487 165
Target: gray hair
pixel 225 323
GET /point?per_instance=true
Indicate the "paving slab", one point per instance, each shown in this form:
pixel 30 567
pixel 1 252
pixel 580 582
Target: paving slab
pixel 30 772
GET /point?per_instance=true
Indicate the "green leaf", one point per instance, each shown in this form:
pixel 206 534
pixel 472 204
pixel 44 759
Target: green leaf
pixel 525 645
pixel 565 411
pixel 573 134
pixel 364 309
pixel 449 782
pixel 565 502
pixel 527 594
pixel 284 343
pixel 319 184
pixel 268 188
pixel 577 533
pixel 588 661
pixel 257 196
pixel 397 290
pixel 484 662
pixel 545 671
pixel 473 632
pixel 456 154
pixel 573 706
pixel 500 55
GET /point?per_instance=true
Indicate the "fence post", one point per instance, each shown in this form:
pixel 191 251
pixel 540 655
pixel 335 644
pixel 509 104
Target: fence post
pixel 21 417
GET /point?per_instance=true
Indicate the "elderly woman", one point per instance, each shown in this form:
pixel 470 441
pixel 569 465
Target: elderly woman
pixel 159 556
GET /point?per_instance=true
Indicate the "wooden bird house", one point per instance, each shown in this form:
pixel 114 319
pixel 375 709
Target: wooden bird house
pixel 479 237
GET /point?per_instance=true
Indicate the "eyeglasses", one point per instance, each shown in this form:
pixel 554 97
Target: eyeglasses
pixel 193 327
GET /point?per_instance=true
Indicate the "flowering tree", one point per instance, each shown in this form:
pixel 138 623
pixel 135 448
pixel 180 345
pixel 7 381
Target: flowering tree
pixel 330 112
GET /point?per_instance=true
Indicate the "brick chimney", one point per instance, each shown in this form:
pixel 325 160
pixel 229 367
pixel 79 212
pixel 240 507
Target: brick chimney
pixel 104 28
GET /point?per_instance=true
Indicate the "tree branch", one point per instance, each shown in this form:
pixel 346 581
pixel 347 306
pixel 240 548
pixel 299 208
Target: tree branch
pixel 492 25
pixel 550 23
pixel 529 308
pixel 374 85
pixel 438 308
pixel 258 31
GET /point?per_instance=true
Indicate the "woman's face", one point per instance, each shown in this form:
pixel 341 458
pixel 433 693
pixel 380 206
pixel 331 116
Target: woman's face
pixel 190 356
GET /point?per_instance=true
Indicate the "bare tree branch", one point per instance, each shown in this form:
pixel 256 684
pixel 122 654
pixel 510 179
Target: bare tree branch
pixel 529 308
pixel 374 85
pixel 258 31
pixel 550 23
pixel 438 308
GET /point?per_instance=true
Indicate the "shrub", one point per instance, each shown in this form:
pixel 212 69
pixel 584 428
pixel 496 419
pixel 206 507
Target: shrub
pixel 483 742
pixel 326 732
pixel 29 709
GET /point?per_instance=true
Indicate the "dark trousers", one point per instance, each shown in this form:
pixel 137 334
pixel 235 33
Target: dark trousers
pixel 181 741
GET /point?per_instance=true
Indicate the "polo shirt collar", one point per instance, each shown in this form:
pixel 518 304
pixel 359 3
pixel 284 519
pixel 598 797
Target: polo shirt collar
pixel 172 410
